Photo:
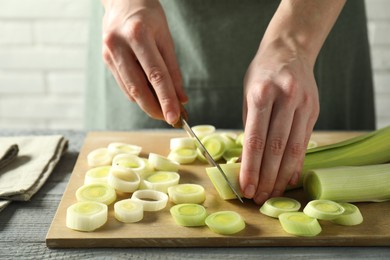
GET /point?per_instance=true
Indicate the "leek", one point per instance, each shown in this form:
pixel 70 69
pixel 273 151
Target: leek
pixel 225 222
pixel 124 148
pixel 161 181
pixel 214 144
pixel 98 192
pixel 97 175
pixel 99 157
pixel 273 207
pixel 232 171
pixel 162 163
pixel 350 217
pixel 349 183
pixel 86 215
pixel 183 155
pixel 203 130
pixel 189 215
pixel 151 200
pixel 299 224
pixel 129 211
pixel 187 193
pixel 130 161
pixel 367 149
pixel 123 179
pixel 323 209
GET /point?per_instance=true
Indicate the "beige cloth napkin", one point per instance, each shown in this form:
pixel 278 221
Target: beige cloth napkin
pixel 25 175
pixel 8 152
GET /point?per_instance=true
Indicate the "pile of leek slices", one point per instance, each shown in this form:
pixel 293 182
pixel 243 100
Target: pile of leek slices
pixel 306 223
pixel 152 182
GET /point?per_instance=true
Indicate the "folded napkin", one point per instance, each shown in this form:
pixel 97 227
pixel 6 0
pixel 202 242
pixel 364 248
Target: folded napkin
pixel 25 174
pixel 8 152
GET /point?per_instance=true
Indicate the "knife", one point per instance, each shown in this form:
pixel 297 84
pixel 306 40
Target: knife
pixel 207 155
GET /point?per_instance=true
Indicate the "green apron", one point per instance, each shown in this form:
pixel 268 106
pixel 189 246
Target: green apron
pixel 215 41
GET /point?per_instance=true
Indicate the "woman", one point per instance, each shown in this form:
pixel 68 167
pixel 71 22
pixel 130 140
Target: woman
pixel 271 65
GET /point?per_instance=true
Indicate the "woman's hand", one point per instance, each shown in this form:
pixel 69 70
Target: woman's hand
pixel 281 107
pixel 139 51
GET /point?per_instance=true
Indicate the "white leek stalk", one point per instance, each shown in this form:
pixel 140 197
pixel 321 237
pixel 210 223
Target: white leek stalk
pixel 129 211
pixel 162 163
pixel 299 224
pixel 124 148
pixel 99 157
pixel 225 222
pixel 232 171
pixel 203 130
pixel 273 207
pixel 98 192
pixel 189 215
pixel 183 155
pixel 323 209
pixel 97 175
pixel 182 142
pixel 130 161
pixel 350 217
pixel 161 181
pixel 214 144
pixel 187 193
pixel 350 183
pixel 86 215
pixel 123 179
pixel 151 200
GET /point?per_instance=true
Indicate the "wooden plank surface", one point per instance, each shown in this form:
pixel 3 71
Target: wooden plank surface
pixel 158 229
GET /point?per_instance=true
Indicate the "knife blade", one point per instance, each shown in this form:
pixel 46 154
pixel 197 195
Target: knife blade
pixel 207 155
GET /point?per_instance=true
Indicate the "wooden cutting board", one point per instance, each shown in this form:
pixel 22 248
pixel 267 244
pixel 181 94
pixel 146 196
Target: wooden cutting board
pixel 158 229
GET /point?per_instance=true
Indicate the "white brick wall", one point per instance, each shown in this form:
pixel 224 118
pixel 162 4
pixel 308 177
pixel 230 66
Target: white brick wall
pixel 43 51
pixel 42 63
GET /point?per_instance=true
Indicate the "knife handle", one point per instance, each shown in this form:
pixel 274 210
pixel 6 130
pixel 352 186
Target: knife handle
pixel 183 114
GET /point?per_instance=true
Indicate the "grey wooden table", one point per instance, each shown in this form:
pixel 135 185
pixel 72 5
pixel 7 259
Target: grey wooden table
pixel 23 228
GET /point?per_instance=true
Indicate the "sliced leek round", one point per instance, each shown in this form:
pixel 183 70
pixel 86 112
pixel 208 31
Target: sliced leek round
pixel 225 222
pixel 86 215
pixel 183 155
pixel 214 144
pixel 311 144
pixel 151 200
pixel 273 207
pixel 124 148
pixel 129 211
pixel 203 130
pixel 351 216
pixel 161 181
pixel 189 215
pixel 229 139
pixel 323 209
pixel 99 157
pixel 187 193
pixel 182 142
pixel 130 161
pixel 232 153
pixel 97 175
pixel 240 139
pixel 98 192
pixel 299 224
pixel 123 179
pixel 162 163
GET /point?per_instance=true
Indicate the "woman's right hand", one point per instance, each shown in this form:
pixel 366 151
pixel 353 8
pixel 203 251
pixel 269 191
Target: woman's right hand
pixel 139 51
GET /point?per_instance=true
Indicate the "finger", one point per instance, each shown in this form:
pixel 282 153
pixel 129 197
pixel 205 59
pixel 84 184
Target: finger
pixel 169 56
pixel 110 64
pixel 275 146
pixel 293 154
pixel 256 129
pixel 155 69
pixel 309 129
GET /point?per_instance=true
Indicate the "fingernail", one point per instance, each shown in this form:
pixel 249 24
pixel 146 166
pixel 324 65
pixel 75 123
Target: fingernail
pixel 249 191
pixel 276 193
pixel 171 117
pixel 261 197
